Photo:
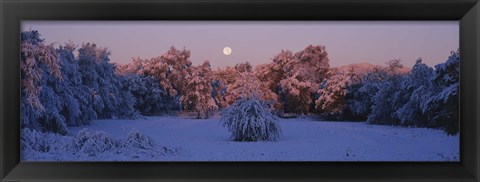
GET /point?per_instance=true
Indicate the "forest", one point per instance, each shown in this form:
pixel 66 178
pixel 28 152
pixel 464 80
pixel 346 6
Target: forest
pixel 75 85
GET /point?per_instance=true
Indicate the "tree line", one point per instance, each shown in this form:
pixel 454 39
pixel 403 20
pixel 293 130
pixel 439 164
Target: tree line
pixel 74 85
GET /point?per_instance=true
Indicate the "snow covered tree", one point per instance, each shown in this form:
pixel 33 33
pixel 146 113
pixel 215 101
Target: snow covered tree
pixel 388 98
pixel 312 63
pixel 444 101
pixel 415 89
pixel 171 70
pixel 295 94
pixel 158 69
pixel 302 77
pixel 61 98
pixel 222 79
pixel 247 85
pixel 226 76
pixel 87 62
pixel 243 67
pixel 178 62
pixel 51 119
pixel 40 73
pixel 36 58
pixel 394 66
pixel 136 67
pixel 125 109
pixel 362 93
pixel 334 94
pixel 76 107
pixel 219 90
pixel 98 74
pixel 383 102
pixel 268 75
pixel 151 98
pixel 198 91
pixel 274 72
pixel 250 119
pixel 362 96
pixel 236 82
pixel 281 60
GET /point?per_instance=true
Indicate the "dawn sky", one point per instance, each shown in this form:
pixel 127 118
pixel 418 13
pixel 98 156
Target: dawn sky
pixel 258 42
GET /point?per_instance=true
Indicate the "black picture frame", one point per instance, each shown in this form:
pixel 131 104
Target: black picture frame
pixel 467 12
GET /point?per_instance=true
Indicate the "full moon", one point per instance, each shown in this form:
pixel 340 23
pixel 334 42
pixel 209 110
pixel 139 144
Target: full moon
pixel 227 51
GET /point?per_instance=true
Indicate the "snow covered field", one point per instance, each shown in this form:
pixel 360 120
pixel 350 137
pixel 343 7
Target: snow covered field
pixel 302 140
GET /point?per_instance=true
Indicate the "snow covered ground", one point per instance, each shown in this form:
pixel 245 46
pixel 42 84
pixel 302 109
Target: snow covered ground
pixel 302 140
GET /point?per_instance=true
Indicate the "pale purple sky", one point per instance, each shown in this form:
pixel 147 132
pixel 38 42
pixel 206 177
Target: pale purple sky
pixel 258 41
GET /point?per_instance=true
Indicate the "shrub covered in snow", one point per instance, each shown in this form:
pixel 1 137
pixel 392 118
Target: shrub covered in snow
pixel 250 119
pixel 93 143
pixel 138 140
pixel 88 146
pixel 46 146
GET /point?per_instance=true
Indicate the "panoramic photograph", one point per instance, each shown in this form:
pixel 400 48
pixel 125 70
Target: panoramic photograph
pixel 165 91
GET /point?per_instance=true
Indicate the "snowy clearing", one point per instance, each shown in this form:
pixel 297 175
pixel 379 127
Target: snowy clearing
pixel 302 140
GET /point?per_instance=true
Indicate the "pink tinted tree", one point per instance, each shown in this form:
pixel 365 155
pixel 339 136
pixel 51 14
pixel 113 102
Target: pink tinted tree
pixel 198 91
